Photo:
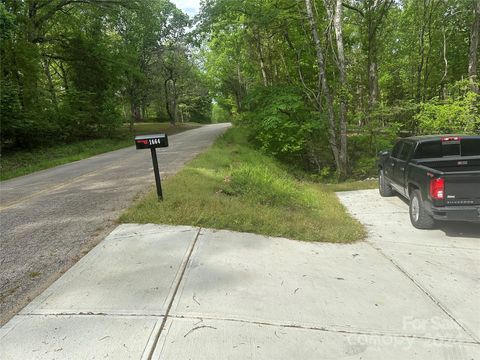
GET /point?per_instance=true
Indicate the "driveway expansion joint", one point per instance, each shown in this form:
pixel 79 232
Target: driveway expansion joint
pixel 328 328
pixel 426 292
pixel 183 269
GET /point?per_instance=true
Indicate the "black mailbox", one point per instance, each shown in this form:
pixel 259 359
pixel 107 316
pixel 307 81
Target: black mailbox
pixel 151 141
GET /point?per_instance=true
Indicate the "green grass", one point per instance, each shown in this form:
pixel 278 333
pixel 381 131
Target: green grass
pixel 353 185
pixel 234 186
pixel 13 164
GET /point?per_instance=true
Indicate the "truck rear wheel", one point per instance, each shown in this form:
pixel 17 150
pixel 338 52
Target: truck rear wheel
pixel 383 187
pixel 419 216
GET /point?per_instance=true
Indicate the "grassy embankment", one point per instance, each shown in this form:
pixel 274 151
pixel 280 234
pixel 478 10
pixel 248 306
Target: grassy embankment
pixel 234 186
pixel 13 164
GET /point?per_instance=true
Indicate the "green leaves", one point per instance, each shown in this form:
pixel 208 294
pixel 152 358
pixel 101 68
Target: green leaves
pixel 452 115
pixel 282 121
pixel 80 69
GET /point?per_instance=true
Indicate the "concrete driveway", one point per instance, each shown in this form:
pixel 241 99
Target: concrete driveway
pixel 443 263
pixel 51 218
pixel 165 292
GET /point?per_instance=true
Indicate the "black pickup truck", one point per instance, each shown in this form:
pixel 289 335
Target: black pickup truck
pixel 439 175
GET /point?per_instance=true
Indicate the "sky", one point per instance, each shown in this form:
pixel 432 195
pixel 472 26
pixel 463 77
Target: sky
pixel 191 7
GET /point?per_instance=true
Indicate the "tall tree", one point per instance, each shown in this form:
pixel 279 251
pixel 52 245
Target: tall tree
pixel 373 14
pixel 339 153
pixel 338 23
pixel 473 53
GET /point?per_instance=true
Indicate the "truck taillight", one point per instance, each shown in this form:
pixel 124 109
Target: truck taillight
pixel 437 189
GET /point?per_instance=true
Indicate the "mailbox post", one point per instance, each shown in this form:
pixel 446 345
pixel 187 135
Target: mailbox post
pixel 153 142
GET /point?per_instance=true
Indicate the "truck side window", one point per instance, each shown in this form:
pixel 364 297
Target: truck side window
pixel 406 151
pixel 396 149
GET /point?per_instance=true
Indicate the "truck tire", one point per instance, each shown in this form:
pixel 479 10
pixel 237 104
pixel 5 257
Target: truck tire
pixel 419 216
pixel 383 187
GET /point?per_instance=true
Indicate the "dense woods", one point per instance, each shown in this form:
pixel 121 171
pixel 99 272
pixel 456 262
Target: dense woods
pixel 322 84
pixel 328 83
pixel 76 69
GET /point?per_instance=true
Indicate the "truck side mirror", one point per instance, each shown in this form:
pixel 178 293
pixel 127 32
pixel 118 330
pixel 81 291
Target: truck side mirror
pixel 384 153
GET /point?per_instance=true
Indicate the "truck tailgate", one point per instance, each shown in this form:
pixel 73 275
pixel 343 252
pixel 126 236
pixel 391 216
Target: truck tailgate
pixel 462 188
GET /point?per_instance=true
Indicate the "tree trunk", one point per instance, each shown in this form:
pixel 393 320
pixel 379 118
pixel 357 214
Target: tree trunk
pixel 422 70
pixel 372 63
pixel 238 101
pixel 136 115
pixel 181 116
pixel 174 102
pixel 171 100
pixel 239 95
pixel 64 76
pixel 261 59
pixel 374 90
pixel 421 52
pixel 432 7
pixel 337 21
pixel 472 56
pixel 443 81
pixel 374 12
pixel 51 87
pixel 324 84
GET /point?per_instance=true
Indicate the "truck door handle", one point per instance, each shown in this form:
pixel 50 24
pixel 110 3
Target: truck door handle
pixel 403 169
pixel 393 164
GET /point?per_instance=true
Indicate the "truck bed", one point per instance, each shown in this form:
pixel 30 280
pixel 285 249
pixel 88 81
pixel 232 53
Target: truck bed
pixel 462 178
pixel 451 165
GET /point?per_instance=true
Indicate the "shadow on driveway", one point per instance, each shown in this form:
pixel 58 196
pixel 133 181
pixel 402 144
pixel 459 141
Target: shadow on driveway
pixel 452 228
pixel 460 229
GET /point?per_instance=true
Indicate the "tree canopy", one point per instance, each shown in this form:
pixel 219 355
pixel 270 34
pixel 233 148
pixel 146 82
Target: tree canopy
pixel 323 84
pixel 307 74
pixel 77 69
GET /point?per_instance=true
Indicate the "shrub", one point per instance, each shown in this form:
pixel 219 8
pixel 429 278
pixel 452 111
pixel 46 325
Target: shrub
pixel 286 127
pixel 453 115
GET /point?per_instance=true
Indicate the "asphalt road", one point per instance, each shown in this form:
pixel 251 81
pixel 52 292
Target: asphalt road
pixel 50 219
